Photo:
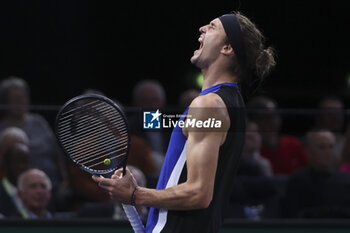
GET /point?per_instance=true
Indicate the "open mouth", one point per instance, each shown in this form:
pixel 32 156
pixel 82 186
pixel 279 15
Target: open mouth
pixel 200 40
pixel 201 44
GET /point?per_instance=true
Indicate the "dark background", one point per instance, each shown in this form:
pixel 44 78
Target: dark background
pixel 62 47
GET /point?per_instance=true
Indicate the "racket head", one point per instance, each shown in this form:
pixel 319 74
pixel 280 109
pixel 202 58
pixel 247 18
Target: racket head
pixel 93 132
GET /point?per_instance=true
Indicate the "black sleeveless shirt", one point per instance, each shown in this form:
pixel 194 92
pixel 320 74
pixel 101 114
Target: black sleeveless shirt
pixel 209 220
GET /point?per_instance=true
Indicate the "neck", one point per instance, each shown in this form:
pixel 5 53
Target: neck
pixel 39 212
pixel 215 75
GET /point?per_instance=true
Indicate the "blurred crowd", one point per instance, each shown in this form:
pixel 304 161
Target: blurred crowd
pixel 280 175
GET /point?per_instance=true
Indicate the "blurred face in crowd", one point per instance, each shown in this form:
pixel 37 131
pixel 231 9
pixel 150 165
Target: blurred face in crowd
pixel 8 141
pixel 16 161
pixel 252 139
pixel 35 191
pixel 212 39
pixel 321 150
pixel 333 117
pixel 151 98
pixel 18 101
pixel 268 119
pixel 149 94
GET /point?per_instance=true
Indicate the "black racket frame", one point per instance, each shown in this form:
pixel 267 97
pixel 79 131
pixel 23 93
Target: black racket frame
pixel 113 104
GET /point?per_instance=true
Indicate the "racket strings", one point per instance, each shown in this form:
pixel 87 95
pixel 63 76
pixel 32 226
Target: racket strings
pixel 109 156
pixel 85 117
pixel 78 107
pixel 87 144
pixel 102 149
pixel 87 125
pixel 102 162
pixel 92 132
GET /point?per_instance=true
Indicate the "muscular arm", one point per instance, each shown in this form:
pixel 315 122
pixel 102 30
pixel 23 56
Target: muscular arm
pixel 202 154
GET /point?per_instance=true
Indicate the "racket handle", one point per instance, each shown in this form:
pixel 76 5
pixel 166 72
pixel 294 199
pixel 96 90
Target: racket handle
pixel 134 218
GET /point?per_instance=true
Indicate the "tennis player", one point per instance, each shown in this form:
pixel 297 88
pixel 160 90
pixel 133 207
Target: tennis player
pixel 197 175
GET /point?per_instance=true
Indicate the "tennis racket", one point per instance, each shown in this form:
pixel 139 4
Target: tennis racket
pixel 92 130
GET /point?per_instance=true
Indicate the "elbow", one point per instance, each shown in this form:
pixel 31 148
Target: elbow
pixel 204 203
pixel 199 195
pixel 202 200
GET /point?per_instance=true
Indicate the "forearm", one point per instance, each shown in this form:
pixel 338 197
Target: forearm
pixel 180 197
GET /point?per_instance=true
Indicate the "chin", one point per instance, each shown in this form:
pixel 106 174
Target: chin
pixel 196 56
pixel 195 60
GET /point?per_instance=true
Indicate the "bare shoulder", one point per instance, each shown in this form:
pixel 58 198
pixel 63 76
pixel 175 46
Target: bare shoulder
pixel 210 110
pixel 210 100
pixel 210 105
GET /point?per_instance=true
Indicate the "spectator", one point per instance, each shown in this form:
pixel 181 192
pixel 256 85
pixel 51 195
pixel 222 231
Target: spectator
pixel 9 137
pixel 34 189
pixel 344 164
pixel 251 150
pixel 83 188
pixel 140 156
pixel 253 186
pixel 15 161
pixel 316 190
pixel 285 153
pixel 149 95
pixel 332 118
pixel 44 151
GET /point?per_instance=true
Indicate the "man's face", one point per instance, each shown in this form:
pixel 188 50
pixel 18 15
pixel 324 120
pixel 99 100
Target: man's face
pixel 212 39
pixel 268 119
pixel 18 101
pixel 252 138
pixel 321 150
pixel 333 116
pixel 36 193
pixel 151 98
pixel 18 162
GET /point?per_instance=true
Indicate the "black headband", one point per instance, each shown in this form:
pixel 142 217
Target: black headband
pixel 235 37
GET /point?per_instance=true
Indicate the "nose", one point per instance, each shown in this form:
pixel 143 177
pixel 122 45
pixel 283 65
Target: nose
pixel 203 29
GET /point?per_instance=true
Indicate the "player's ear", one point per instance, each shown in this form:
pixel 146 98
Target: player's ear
pixel 227 50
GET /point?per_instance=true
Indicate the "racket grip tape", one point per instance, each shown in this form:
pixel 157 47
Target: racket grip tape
pixel 134 218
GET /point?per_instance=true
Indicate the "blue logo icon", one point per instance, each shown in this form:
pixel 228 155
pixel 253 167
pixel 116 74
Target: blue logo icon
pixel 151 120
